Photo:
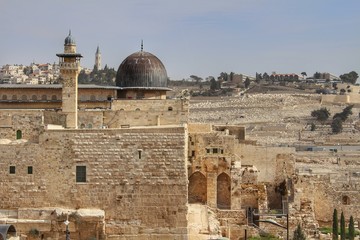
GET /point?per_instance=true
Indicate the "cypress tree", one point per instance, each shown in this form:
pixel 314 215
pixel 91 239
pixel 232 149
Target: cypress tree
pixel 299 234
pixel 351 228
pixel 335 227
pixel 342 226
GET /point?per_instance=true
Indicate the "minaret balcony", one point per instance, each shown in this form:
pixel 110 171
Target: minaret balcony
pixel 70 66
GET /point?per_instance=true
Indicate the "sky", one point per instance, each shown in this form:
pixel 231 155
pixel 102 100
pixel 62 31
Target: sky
pixel 190 37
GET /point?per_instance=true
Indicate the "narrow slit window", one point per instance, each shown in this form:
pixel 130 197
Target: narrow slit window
pixel 12 170
pixel 140 154
pixel 30 170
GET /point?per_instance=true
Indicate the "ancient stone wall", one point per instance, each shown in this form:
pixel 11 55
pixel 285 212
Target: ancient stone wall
pixel 137 176
pixel 21 124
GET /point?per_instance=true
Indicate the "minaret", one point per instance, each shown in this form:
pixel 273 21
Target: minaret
pixel 98 59
pixel 69 62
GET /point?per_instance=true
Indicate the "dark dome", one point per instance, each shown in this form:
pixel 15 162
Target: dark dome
pixel 141 69
pixel 69 40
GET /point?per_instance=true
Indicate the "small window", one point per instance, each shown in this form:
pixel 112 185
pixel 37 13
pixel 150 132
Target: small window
pixel 170 108
pixel 345 200
pixel 140 154
pixel 80 173
pixel 208 150
pixel 18 134
pixel 23 97
pixel 222 151
pixel 90 125
pixel 82 126
pixel 30 170
pixel 14 97
pixel 92 98
pixel 43 97
pixel 33 97
pixel 4 97
pixel 193 153
pixel 138 109
pixel 12 170
pixel 215 150
pixel 53 97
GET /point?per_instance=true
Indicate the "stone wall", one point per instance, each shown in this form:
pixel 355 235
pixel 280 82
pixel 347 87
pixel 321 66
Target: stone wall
pixel 137 176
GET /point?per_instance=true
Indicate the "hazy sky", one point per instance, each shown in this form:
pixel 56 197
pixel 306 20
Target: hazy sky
pixel 200 37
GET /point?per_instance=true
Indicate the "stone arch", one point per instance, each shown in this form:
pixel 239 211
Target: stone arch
pixel 43 97
pixel 4 97
pixel 223 191
pixel 14 97
pixel 23 97
pixel 53 97
pixel 33 97
pixel 345 200
pixel 92 98
pixel 197 188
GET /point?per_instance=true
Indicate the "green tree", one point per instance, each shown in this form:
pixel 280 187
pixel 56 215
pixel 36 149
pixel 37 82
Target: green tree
pixel 247 82
pixel 350 77
pixel 335 226
pixel 299 234
pixel 214 85
pixel 351 228
pixel 345 113
pixel 312 127
pixel 321 115
pixel 342 226
pixel 336 125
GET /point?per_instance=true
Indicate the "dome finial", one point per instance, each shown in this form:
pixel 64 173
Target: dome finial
pixel 142 45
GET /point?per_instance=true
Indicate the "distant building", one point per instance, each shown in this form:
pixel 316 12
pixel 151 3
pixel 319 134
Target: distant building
pixel 98 58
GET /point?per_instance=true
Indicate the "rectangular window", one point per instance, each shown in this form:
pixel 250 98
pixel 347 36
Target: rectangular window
pixel 222 151
pixel 139 154
pixel 12 170
pixel 193 153
pixel 215 150
pixel 80 173
pixel 207 150
pixel 30 170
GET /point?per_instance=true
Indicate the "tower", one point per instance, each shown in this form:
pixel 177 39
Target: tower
pixel 98 58
pixel 69 62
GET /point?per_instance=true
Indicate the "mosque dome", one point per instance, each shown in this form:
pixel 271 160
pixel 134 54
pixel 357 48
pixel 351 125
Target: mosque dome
pixel 141 70
pixel 69 40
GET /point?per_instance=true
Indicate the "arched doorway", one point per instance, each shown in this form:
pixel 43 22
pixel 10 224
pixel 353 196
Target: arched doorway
pixel 223 191
pixel 197 188
pixel 7 231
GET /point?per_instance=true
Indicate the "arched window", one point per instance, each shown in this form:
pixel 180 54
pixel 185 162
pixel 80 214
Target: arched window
pixel 197 188
pixel 223 191
pixel 345 200
pixel 33 97
pixel 53 97
pixel 170 108
pixel 14 97
pixel 23 97
pixel 138 109
pixel 82 125
pixel 43 97
pixel 92 98
pixel 18 134
pixel 90 125
pixel 4 97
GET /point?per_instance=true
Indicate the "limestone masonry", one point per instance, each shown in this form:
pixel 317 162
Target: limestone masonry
pixel 126 162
